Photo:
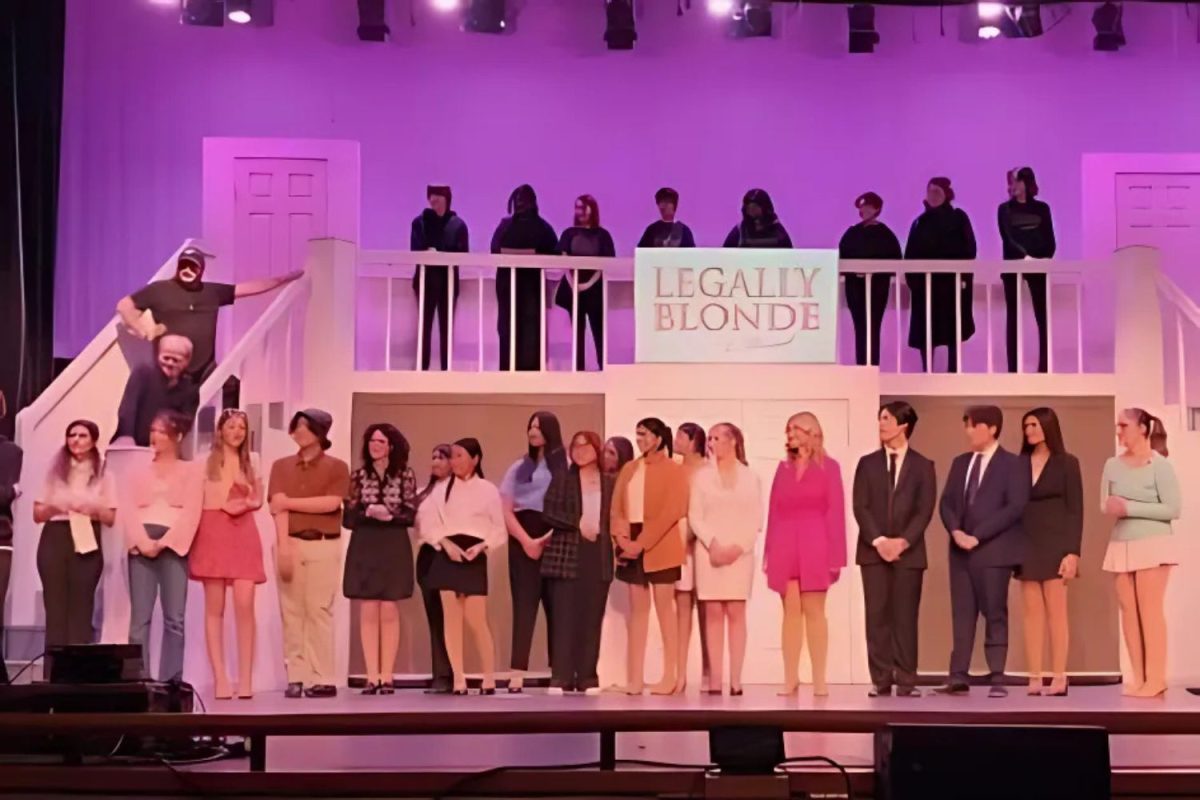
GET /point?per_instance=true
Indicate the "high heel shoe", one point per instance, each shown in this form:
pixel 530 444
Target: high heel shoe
pixel 735 692
pixel 1035 686
pixel 459 692
pixel 372 688
pixel 387 687
pixel 488 691
pixel 1051 691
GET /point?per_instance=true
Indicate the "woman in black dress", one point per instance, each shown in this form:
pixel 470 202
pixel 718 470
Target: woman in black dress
pixel 380 506
pixel 1054 524
pixel 442 678
pixel 941 233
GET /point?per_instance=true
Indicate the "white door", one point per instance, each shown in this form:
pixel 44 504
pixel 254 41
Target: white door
pixel 1163 210
pixel 279 204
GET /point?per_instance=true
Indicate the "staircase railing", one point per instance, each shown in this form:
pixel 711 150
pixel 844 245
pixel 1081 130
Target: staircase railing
pixel 1181 351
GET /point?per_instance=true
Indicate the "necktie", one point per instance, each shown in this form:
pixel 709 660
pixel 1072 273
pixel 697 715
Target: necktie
pixel 973 478
pixel 892 458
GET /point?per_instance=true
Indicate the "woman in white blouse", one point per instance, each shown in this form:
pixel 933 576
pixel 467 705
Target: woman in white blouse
pixel 77 499
pixel 463 523
pixel 726 515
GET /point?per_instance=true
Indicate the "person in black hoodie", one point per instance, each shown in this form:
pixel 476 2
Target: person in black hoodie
pixel 869 240
pixel 586 238
pixel 522 231
pixel 668 231
pixel 10 476
pixel 1027 232
pixel 942 232
pixel 437 228
pixel 759 226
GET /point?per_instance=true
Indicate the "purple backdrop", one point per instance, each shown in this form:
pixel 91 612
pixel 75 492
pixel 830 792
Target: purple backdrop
pixel 712 117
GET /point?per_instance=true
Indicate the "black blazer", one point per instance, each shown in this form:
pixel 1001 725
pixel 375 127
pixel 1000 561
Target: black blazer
pixel 995 516
pixel 912 506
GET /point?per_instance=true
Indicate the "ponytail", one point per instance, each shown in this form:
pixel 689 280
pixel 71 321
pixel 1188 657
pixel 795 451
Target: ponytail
pixel 1152 427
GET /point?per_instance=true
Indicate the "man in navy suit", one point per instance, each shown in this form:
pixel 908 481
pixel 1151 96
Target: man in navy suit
pixel 981 507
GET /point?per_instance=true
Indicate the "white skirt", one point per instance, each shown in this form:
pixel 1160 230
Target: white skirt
pixel 1135 554
pixel 687 576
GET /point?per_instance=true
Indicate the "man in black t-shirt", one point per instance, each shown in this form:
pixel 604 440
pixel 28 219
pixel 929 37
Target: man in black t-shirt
pixel 188 306
pixel 667 232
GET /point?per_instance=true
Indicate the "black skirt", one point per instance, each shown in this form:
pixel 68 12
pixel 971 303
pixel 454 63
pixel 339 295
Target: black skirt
pixel 379 563
pixel 461 577
pixel 634 570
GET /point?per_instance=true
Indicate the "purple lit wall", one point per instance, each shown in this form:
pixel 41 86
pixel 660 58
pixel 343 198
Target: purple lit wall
pixel 712 117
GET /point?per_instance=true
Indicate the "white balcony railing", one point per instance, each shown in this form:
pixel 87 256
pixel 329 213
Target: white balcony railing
pixel 389 334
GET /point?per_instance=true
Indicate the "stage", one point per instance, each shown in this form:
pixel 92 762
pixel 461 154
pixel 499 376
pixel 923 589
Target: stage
pixel 412 743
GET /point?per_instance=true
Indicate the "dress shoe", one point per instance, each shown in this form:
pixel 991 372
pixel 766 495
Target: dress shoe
pixel 294 690
pixel 880 691
pixel 996 690
pixel 953 689
pixel 907 691
pixel 321 690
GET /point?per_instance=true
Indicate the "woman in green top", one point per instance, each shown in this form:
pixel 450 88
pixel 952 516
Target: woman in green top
pixel 1139 489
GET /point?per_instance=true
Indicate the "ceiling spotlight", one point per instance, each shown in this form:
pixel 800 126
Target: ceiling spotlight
pixel 485 16
pixel 1110 33
pixel 210 13
pixel 372 21
pixel 720 8
pixel 621 30
pixel 238 11
pixel 447 5
pixel 751 18
pixel 863 36
pixel 1012 21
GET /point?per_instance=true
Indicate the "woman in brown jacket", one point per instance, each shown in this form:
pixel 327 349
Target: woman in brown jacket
pixel 649 501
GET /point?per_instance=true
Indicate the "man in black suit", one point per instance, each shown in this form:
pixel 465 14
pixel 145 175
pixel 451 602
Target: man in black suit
pixel 895 490
pixel 981 507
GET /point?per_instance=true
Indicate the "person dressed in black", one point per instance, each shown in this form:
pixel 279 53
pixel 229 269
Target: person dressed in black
pixel 378 510
pixel 1053 522
pixel 437 228
pixel 187 306
pixel 11 458
pixel 162 386
pixel 869 240
pixel 667 231
pixel 586 238
pixel 895 490
pixel 1027 232
pixel 941 233
pixel 760 227
pixel 442 675
pixel 982 506
pixel 522 231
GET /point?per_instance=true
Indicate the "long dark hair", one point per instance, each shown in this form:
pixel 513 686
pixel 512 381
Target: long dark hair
pixel 444 451
pixel 662 430
pixel 1152 426
pixel 552 451
pixel 696 435
pixel 397 455
pixel 624 449
pixel 61 468
pixel 1050 427
pixel 474 450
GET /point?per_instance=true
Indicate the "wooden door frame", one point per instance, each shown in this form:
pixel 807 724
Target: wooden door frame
pixel 1099 196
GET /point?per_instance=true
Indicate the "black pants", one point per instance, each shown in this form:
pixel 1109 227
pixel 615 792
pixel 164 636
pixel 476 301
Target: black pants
pixel 5 571
pixel 591 314
pixel 892 596
pixel 528 299
pixel 529 589
pixel 976 591
pixel 69 583
pixel 1037 296
pixel 443 676
pixel 436 302
pixel 856 301
pixel 575 630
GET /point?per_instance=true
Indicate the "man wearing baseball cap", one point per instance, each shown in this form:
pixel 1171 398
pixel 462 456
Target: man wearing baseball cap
pixel 187 306
pixel 305 492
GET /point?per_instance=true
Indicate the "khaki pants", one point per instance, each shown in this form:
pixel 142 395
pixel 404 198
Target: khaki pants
pixel 306 603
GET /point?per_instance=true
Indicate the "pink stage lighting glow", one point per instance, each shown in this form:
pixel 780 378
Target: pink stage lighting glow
pixel 447 5
pixel 991 11
pixel 720 8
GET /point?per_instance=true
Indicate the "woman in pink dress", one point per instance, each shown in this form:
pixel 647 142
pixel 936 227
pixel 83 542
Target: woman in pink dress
pixel 805 547
pixel 227 551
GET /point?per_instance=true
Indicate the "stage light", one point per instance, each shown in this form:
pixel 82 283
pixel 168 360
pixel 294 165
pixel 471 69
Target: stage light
pixel 486 16
pixel 209 13
pixel 720 8
pixel 751 18
pixel 238 11
pixel 863 36
pixel 447 5
pixel 372 21
pixel 1012 21
pixel 991 11
pixel 621 30
pixel 988 31
pixel 1110 33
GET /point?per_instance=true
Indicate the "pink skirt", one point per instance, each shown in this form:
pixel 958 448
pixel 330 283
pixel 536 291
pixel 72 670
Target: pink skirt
pixel 226 548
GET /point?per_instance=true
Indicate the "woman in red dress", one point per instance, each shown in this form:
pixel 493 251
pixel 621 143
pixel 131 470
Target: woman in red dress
pixel 227 551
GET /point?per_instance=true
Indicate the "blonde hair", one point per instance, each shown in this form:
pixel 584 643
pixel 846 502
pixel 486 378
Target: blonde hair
pixel 816 434
pixel 216 458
